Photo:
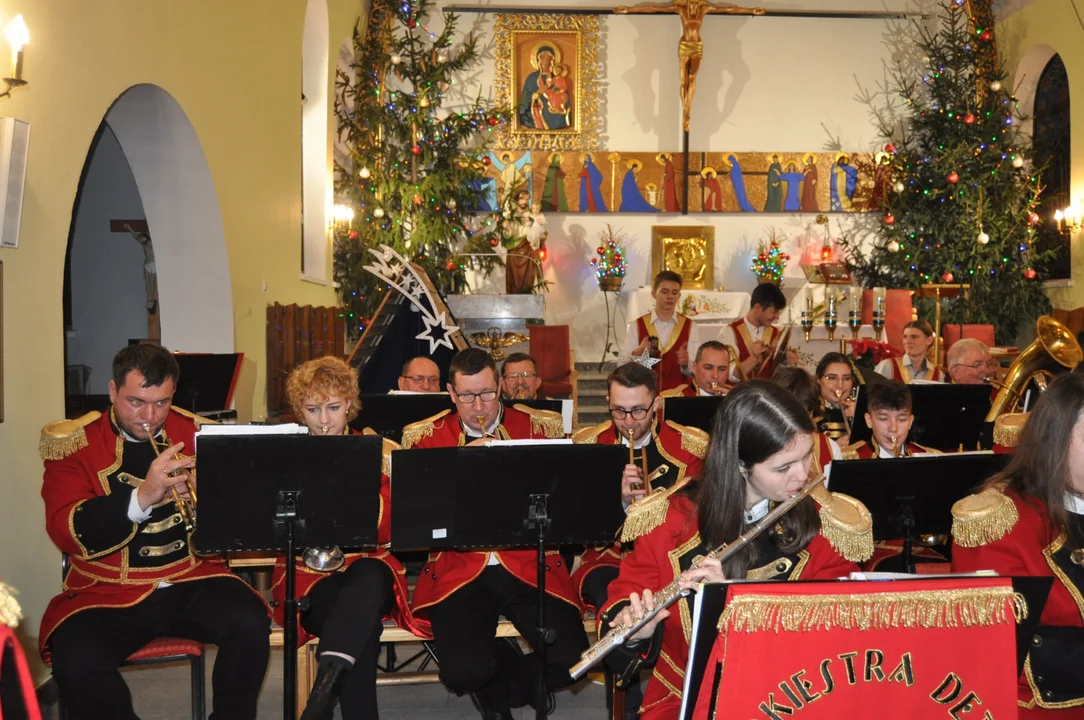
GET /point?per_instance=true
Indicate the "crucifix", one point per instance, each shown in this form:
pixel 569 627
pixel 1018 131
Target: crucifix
pixel 690 47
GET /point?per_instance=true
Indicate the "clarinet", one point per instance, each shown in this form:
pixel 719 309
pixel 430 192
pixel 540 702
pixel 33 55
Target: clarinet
pixel 673 592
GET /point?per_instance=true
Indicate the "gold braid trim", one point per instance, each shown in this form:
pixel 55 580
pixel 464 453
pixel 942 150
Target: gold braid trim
pixel 386 449
pixel 589 435
pixel 199 420
pixel 674 392
pixel 544 422
pixel 649 512
pixel 65 437
pixel 965 607
pixel 846 524
pixel 851 451
pixel 983 518
pixel 693 440
pixel 414 432
pixel 10 612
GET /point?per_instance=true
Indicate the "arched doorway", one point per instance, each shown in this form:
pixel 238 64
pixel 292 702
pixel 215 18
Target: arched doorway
pixel 144 164
pixel 1051 144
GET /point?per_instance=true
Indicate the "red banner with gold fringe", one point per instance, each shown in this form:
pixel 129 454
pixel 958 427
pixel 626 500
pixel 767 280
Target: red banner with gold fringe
pixel 901 650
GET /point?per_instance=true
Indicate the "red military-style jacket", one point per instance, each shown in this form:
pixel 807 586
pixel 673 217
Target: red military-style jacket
pixel 307 577
pixel 448 570
pixel 745 341
pixel 90 475
pixel 669 370
pixel 1011 533
pixel 663 554
pixel 681 448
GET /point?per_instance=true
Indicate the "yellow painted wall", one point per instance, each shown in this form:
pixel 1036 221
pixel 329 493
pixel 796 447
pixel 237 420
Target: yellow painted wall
pixel 1022 37
pixel 235 69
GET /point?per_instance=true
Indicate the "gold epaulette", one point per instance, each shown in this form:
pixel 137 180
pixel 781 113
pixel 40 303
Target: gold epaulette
pixel 1008 427
pixel 65 437
pixel 414 432
pixel 693 440
pixel 589 435
pixel 851 451
pixel 846 524
pixel 983 518
pixel 930 450
pixel 649 512
pixel 545 422
pixel 674 392
pixel 199 420
pixel 386 449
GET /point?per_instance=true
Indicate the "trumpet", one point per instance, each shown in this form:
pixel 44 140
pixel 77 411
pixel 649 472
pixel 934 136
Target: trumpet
pixel 186 506
pixel 895 446
pixel 852 396
pixel 482 425
pixel 673 592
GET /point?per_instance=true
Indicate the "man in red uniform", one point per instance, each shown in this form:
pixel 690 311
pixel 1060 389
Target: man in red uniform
pixel 519 377
pixel 664 333
pixel 710 370
pixel 754 337
pixel 133 574
pixel 463 593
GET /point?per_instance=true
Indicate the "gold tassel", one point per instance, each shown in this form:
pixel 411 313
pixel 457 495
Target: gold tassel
pixel 10 612
pixel 414 432
pixel 846 524
pixel 544 422
pixel 965 607
pixel 649 512
pixel 693 440
pixel 983 518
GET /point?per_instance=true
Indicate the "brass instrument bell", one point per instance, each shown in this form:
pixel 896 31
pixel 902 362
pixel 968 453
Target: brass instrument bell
pixel 323 559
pixel 1055 347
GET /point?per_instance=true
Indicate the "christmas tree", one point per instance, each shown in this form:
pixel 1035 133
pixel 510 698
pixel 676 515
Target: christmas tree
pixel 955 183
pixel 770 261
pixel 416 177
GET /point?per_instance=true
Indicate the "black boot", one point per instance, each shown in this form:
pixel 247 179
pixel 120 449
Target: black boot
pixel 330 678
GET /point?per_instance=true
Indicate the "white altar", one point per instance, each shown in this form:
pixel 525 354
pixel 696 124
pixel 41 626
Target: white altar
pixel 709 309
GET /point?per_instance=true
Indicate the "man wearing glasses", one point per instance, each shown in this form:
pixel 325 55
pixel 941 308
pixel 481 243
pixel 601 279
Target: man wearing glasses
pixel 519 377
pixel 969 362
pixel 463 593
pixel 420 375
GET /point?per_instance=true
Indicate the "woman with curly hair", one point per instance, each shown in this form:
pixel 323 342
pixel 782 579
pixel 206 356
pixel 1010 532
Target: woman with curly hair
pixel 344 608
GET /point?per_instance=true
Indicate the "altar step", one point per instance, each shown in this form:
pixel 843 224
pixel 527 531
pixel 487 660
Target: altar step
pixel 591 387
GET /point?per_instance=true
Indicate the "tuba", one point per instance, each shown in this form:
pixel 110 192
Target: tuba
pixel 1053 349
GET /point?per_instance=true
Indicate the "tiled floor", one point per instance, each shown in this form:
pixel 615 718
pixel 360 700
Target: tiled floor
pixel 162 693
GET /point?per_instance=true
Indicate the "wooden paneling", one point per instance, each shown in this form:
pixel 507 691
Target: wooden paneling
pixel 296 333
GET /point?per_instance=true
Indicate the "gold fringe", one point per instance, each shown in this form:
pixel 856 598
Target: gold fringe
pixel 648 513
pixel 693 440
pixel 846 524
pixel 414 432
pixel 65 437
pixel 983 518
pixel 1008 428
pixel 673 392
pixel 545 422
pixel 10 612
pixel 965 607
pixel 589 435
pixel 386 449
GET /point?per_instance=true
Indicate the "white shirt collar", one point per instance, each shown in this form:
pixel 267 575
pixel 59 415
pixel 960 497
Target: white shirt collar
pixel 756 512
pixel 754 332
pixel 642 442
pixel 1074 503
pixel 703 393
pixel 491 430
pixel 656 320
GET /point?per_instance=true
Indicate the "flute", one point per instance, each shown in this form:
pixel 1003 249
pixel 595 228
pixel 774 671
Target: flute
pixel 673 592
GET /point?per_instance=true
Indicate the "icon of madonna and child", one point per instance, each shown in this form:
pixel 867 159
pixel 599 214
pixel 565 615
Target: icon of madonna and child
pixel 545 98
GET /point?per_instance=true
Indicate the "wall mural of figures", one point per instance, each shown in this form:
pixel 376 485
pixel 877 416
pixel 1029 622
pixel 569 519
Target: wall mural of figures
pixel 719 182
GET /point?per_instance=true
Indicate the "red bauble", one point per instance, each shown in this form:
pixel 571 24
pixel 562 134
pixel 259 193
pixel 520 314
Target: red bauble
pixel 412 23
pixel 600 250
pixel 417 149
pixel 969 119
pixel 947 277
pixel 485 160
pixel 449 265
pixel 986 36
pixel 1030 273
pixel 890 148
pixel 953 178
pixel 494 242
pixel 1033 218
pixel 492 120
pixel 417 199
pixel 353 234
pixel 889 219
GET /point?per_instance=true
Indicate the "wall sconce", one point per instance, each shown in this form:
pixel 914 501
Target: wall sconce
pixel 342 216
pixel 1070 220
pixel 18 37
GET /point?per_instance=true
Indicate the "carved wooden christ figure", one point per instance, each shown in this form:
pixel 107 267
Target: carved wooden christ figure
pixel 691 48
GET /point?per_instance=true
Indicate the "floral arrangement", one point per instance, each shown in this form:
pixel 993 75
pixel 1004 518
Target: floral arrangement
pixel 868 353
pixel 611 264
pixel 770 261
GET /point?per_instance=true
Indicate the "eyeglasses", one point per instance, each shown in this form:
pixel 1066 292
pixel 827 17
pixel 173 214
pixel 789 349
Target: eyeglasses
pixel 422 379
pixel 525 375
pixel 621 413
pixel 486 395
pixel 973 366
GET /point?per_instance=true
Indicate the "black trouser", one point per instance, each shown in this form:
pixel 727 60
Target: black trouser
pixel 89 647
pixel 464 626
pixel 345 612
pixel 595 587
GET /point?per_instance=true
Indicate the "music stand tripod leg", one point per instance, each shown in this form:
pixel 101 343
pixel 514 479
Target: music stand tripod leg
pixel 538 520
pixel 285 517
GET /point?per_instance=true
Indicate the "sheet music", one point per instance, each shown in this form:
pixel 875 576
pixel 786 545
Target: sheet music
pixel 282 429
pixel 541 441
pixel 685 689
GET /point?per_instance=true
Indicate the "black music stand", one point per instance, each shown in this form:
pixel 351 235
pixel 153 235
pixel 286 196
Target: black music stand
pixel 710 601
pixel 946 416
pixel 697 412
pixel 284 492
pixel 207 382
pixel 387 414
pixel 913 495
pixel 525 496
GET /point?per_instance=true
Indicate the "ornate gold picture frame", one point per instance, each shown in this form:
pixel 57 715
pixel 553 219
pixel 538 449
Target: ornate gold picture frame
pixel 546 73
pixel 688 250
